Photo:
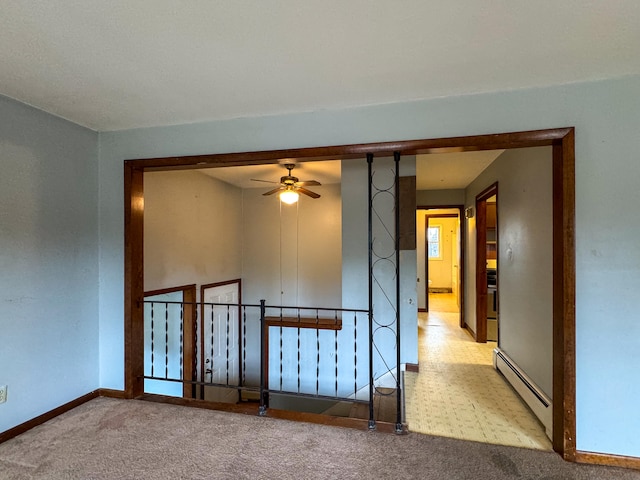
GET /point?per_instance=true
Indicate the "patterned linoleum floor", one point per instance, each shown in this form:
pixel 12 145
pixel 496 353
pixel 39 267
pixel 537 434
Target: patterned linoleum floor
pixel 458 393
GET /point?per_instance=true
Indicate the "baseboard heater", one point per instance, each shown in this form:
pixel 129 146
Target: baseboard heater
pixel 536 399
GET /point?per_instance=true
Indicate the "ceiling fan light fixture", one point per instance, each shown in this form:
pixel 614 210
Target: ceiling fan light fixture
pixel 289 197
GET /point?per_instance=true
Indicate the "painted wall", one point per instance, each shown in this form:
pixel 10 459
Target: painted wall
pixel 606 115
pixel 292 254
pixel 48 261
pixel 525 269
pixel 192 230
pixel 440 269
pixel 438 198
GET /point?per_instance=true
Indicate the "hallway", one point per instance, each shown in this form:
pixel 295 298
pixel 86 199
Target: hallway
pixel 458 393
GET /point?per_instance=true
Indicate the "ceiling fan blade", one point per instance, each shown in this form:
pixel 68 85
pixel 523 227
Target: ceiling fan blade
pixel 308 183
pixel 308 193
pixel 271 192
pixel 265 181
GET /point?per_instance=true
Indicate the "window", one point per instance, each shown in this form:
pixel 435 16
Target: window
pixel 433 242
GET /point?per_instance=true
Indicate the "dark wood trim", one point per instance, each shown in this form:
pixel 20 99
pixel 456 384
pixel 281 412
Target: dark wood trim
pixel 608 459
pixel 562 140
pixel 531 138
pixel 407 216
pixel 111 393
pixel 189 357
pixel 163 291
pixel 412 367
pixel 299 322
pixel 247 408
pixel 461 266
pixel 45 417
pixel 189 331
pixel 423 310
pixel 481 260
pixel 133 279
pixel 564 298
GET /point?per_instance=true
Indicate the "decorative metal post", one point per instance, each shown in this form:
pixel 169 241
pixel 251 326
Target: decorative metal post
pixel 262 411
pixel 396 158
pixel 372 422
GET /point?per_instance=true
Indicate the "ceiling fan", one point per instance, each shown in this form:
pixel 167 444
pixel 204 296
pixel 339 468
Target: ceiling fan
pixel 290 186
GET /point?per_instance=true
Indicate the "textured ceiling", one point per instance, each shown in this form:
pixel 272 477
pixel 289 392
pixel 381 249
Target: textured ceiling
pixel 118 64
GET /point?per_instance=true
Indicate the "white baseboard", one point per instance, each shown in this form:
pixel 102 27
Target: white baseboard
pixel 539 403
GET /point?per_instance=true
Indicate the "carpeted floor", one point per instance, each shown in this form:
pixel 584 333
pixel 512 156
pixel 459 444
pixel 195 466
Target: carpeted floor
pixel 131 439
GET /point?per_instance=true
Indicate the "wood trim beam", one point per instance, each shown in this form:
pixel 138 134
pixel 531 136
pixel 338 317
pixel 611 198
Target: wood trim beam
pixel 564 297
pixel 532 138
pixel 133 280
pixel 298 322
pixel 608 459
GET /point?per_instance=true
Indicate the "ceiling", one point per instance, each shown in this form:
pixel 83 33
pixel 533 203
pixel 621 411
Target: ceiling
pixel 117 64
pixel 435 171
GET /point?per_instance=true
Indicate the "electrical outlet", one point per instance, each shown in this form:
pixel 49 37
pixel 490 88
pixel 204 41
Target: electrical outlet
pixel 3 393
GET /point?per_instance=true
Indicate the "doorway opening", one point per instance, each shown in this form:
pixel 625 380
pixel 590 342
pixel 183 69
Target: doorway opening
pixel 487 310
pixel 563 242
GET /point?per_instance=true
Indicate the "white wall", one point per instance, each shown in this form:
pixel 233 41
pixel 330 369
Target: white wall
pixel 192 230
pixel 606 115
pixel 440 269
pixel 48 262
pixel 297 247
pixel 525 268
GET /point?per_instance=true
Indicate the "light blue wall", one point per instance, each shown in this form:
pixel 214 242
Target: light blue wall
pixel 606 115
pixel 48 261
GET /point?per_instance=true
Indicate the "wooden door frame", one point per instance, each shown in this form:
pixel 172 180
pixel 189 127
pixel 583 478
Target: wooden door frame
pixel 188 332
pixel 481 261
pixel 562 141
pixel 461 250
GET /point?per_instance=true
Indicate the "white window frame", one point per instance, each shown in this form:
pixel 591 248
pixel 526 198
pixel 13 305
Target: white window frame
pixel 439 241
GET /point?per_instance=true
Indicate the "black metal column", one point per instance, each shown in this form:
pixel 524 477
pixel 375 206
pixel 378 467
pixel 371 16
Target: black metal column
pixel 262 411
pixel 372 422
pixel 396 158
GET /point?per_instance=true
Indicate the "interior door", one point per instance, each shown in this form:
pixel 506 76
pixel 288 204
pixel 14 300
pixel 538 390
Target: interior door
pixel 221 339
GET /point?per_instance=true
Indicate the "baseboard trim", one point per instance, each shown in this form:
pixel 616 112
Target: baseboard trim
pixel 608 459
pixel 108 392
pixel 45 417
pixel 423 310
pixel 412 367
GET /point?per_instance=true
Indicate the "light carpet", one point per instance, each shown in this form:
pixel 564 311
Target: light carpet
pixel 132 439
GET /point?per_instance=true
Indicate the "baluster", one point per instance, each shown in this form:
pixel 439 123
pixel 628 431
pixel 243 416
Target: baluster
pixel 317 354
pixel 244 345
pixel 181 339
pixel 195 375
pixel 355 353
pixel 166 340
pixel 212 342
pixel 298 351
pixel 281 349
pixel 152 338
pixel 336 349
pixel 227 347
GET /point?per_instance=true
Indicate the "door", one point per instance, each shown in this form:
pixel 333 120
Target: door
pixel 221 340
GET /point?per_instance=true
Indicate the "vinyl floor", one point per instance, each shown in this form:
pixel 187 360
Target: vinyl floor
pixel 458 393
